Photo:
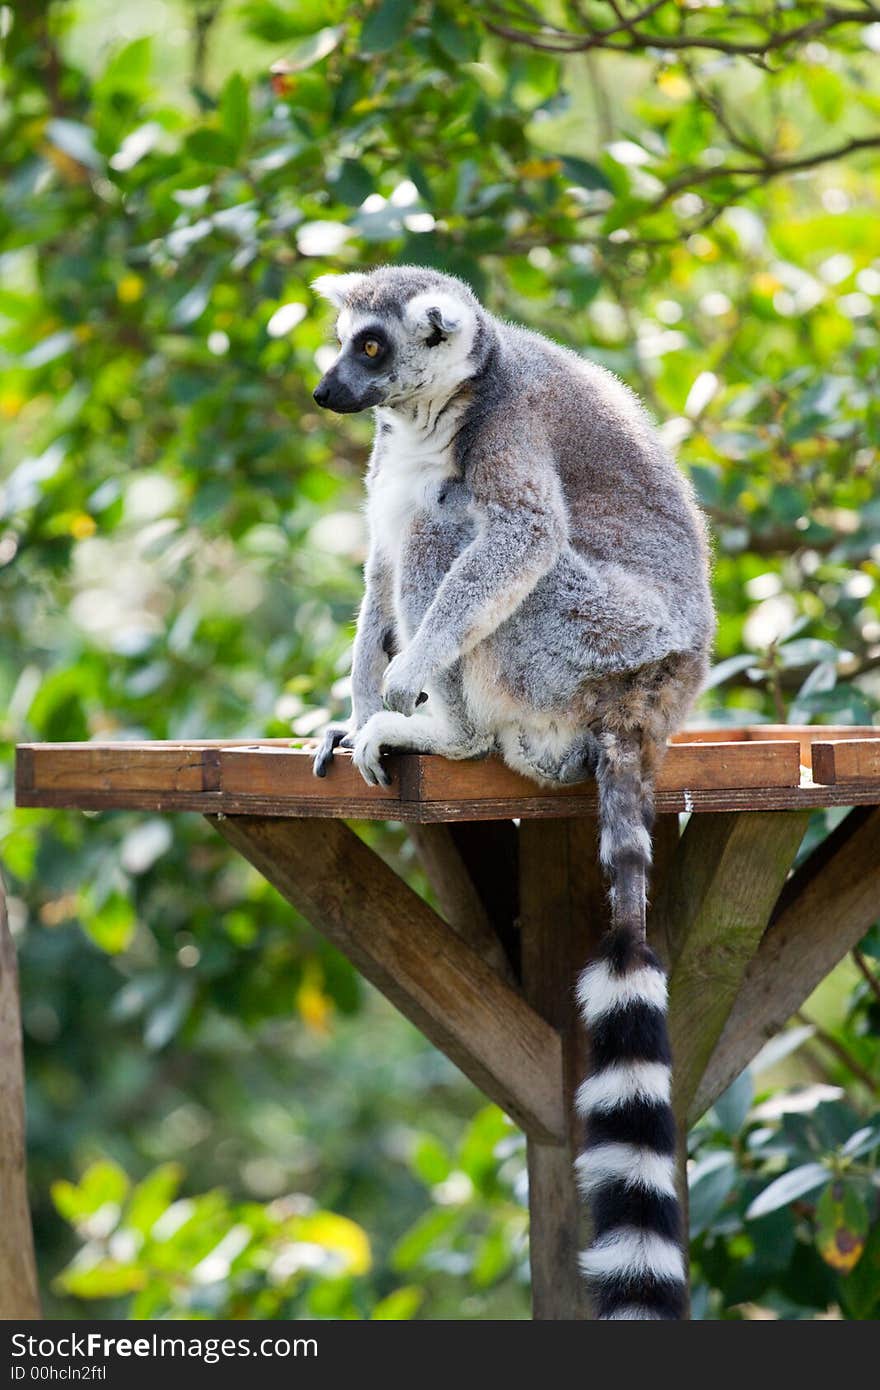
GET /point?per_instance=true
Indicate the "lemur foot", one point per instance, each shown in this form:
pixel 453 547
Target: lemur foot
pixel 367 748
pixel 334 736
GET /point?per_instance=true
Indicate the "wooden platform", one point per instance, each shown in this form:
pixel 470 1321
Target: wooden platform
pixel 766 767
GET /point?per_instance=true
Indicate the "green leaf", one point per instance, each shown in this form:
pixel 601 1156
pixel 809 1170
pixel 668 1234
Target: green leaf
pixel 399 1306
pixel 430 1160
pixel 167 1017
pixel 841 1226
pixel 494 1258
pixel 583 173
pixel 732 1107
pixel 731 667
pixel 129 69
pixel 152 1197
pixel 313 49
pixel 826 90
pixel 799 1182
pixel 710 1182
pixel 104 1184
pixel 353 183
pixel 384 25
pixel 75 140
pixel 806 651
pixel 106 1279
pixel 420 1239
pixel 235 111
pixel 211 147
pixel 860 1290
pixel 111 925
pixel 458 40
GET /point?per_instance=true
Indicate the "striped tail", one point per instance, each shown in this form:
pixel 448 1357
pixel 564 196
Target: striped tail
pixel 635 1265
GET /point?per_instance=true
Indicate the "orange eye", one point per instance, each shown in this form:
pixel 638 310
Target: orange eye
pixel 371 347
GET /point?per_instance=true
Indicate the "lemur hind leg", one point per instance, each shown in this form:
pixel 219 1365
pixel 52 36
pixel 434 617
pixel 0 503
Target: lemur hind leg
pixel 577 762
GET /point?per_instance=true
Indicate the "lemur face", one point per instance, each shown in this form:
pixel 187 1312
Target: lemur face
pixel 404 335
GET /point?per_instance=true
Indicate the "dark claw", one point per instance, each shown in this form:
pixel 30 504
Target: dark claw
pixel 324 756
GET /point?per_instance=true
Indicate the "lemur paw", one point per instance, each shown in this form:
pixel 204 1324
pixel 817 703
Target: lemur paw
pixel 334 736
pixel 402 687
pixel 367 753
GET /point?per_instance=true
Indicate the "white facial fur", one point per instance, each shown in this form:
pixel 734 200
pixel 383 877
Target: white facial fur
pixel 419 372
pixel 336 288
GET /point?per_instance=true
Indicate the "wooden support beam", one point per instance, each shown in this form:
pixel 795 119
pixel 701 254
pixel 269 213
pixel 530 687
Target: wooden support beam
pixel 562 916
pixel 490 852
pixel 412 956
pixel 713 909
pixel 19 1294
pixel 457 894
pixel 665 839
pixel 829 903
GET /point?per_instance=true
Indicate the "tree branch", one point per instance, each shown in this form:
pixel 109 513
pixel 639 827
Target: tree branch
pixel 550 39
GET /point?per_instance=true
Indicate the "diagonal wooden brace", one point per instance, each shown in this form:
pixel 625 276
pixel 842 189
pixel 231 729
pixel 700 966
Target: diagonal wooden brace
pixel 712 910
pixel 438 981
pixel 828 905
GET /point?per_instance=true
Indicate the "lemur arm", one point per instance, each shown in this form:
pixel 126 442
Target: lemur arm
pixel 374 641
pixel 373 645
pixel 522 530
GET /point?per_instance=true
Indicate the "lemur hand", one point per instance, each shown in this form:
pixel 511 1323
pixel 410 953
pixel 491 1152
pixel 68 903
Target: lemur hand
pixel 334 736
pixel 402 688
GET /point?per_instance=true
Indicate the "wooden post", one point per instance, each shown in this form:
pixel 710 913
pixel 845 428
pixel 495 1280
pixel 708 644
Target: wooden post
pixel 562 916
pixel 19 1295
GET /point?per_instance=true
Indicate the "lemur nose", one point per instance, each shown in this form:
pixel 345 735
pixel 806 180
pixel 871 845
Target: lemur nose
pixel 321 393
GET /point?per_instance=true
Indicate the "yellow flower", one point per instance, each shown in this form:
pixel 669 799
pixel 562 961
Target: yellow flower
pixel 11 403
pixel 539 168
pixel 315 1008
pixel 82 526
pixel 130 289
pixel 673 85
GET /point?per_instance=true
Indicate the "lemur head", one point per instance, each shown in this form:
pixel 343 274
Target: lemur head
pixel 405 334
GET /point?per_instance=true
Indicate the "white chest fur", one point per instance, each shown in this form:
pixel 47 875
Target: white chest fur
pixel 415 456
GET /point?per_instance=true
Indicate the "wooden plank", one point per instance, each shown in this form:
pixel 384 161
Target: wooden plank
pixel 563 913
pixel 827 906
pixel 278 781
pixel 848 760
pixel 97 768
pixel 460 902
pixel 404 948
pixel 713 909
pixel 19 1294
pixel 263 771
pixel 687 766
pixel 807 796
pixel 806 735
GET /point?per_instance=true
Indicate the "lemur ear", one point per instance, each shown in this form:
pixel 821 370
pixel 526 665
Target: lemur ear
pixel 434 316
pixel 337 288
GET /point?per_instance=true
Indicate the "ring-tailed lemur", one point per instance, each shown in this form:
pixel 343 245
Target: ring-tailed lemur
pixel 537 585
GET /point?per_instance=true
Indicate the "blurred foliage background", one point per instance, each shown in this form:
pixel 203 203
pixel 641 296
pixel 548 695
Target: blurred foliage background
pixel 223 1120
